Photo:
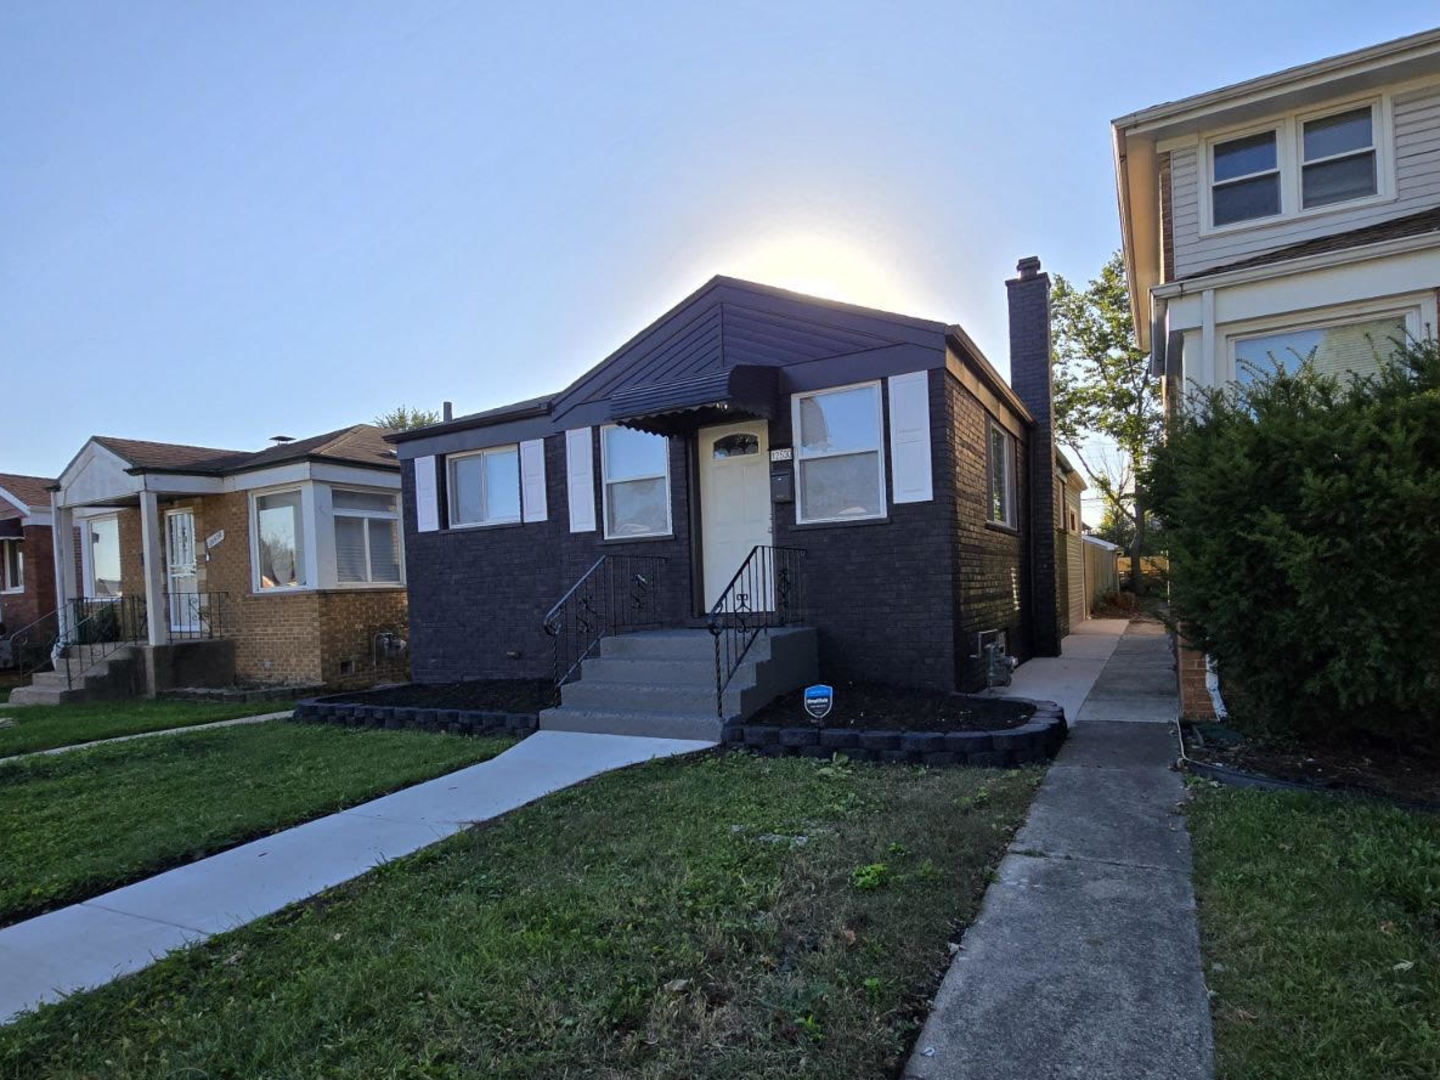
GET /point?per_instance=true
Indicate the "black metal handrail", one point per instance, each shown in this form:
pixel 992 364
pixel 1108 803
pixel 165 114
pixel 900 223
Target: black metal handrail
pixel 31 648
pixel 98 627
pixel 196 616
pixel 767 591
pixel 617 593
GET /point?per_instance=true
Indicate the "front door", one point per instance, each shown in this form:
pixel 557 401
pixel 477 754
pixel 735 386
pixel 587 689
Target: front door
pixel 734 503
pixel 185 615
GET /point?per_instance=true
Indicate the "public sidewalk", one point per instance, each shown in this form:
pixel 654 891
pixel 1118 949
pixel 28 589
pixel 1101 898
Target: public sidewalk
pixel 89 944
pixel 1085 958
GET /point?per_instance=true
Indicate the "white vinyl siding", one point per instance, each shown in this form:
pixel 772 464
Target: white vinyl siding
pixel 427 495
pixel 1414 128
pixel 839 462
pixel 580 479
pixel 532 480
pixel 483 486
pixel 910 469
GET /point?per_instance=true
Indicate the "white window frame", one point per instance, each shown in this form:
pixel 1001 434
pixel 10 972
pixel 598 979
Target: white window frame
pixel 1418 310
pixel 797 438
pixel 368 516
pixel 306 539
pixel 1011 520
pixel 1290 157
pixel 451 488
pixel 87 555
pixel 8 587
pixel 1278 172
pixel 605 483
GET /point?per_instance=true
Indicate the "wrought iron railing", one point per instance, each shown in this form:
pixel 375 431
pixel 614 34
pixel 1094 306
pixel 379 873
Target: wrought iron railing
pixel 767 591
pixel 618 593
pixel 31 648
pixel 94 629
pixel 196 616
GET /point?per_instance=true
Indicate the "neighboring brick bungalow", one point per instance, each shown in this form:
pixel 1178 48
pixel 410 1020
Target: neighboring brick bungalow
pixel 27 567
pixel 921 488
pixel 273 567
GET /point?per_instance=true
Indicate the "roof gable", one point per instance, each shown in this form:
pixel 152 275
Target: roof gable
pixel 25 493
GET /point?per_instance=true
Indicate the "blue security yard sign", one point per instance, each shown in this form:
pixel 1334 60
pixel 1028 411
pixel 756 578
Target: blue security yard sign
pixel 818 700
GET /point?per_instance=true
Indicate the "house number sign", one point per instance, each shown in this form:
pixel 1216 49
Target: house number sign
pixel 785 453
pixel 215 539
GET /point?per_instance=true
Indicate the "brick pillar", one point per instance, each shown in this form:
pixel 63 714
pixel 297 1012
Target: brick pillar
pixel 1030 377
pixel 1195 701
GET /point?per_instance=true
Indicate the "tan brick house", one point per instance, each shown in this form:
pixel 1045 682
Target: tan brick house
pixel 282 566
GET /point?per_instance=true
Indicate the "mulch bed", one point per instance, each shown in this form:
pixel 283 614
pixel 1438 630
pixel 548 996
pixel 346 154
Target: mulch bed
pixel 490 695
pixel 1357 763
pixel 875 706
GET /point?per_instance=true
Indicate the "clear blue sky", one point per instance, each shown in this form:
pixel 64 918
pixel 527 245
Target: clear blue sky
pixel 225 221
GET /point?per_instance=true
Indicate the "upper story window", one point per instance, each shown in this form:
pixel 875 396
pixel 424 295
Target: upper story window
pixel 103 565
pixel 635 468
pixel 1001 466
pixel 1338 155
pixel 367 540
pixel 1245 178
pixel 841 468
pixel 484 486
pixel 1300 164
pixel 12 566
pixel 279 531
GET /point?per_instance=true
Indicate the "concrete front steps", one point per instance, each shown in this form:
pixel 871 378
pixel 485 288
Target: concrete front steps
pixel 94 675
pixel 661 683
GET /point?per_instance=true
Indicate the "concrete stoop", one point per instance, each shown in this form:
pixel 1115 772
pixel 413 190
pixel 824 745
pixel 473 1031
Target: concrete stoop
pixel 117 675
pixel 661 683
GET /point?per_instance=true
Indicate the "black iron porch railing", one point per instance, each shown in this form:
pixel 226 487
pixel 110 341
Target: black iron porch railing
pixel 767 591
pixel 618 593
pixel 31 648
pixel 196 616
pixel 94 629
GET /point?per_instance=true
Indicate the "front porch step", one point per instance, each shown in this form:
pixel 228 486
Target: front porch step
pixel 662 683
pixel 115 675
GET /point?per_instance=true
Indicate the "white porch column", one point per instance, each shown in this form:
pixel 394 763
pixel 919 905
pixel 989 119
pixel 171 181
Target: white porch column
pixel 67 588
pixel 156 617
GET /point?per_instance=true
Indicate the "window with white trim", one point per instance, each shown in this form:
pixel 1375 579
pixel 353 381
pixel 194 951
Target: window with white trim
pixel 635 473
pixel 367 537
pixel 12 566
pixel 103 564
pixel 279 530
pixel 1338 157
pixel 839 463
pixel 483 486
pixel 1000 506
pixel 1343 347
pixel 1245 178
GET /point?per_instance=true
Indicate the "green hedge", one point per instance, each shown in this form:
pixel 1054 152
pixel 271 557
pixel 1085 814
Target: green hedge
pixel 1303 519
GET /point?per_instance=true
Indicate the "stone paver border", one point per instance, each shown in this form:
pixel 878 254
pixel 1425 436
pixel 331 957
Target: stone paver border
pixel 399 717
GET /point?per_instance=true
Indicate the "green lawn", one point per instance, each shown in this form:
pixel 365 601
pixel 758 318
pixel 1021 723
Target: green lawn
pixel 1320 923
pixel 73 825
pixel 732 916
pixel 41 727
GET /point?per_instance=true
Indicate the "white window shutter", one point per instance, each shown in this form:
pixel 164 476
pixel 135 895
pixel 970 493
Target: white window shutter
pixel 910 437
pixel 580 479
pixel 532 479
pixel 427 502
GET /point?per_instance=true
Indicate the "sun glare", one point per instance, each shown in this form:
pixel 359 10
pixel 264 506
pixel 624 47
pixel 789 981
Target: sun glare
pixel 825 266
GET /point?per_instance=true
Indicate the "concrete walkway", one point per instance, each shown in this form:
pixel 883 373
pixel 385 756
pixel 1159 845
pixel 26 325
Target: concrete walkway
pixel 89 944
pixel 262 718
pixel 1085 958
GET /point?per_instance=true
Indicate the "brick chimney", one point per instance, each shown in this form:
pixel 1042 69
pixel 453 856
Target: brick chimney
pixel 1030 378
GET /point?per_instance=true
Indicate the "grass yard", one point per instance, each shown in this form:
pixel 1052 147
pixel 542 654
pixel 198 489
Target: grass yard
pixel 43 727
pixel 74 825
pixel 1320 924
pixel 732 916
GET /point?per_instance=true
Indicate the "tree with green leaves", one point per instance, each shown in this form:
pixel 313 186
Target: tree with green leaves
pixel 403 418
pixel 1104 390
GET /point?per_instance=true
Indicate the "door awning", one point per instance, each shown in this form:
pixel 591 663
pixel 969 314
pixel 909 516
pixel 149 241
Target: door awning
pixel 742 392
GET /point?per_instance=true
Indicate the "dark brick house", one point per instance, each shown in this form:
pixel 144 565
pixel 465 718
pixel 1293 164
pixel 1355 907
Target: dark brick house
pixel 918 484
pixel 27 569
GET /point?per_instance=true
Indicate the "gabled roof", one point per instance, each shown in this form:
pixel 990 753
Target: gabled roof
pixel 359 444
pixel 725 324
pixel 31 491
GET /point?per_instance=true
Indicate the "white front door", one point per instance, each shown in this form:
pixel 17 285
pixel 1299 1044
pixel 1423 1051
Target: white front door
pixel 734 505
pixel 185 615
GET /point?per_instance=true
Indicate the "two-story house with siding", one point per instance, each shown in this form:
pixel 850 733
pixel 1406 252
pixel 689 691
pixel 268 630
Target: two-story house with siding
pixel 861 485
pixel 1292 215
